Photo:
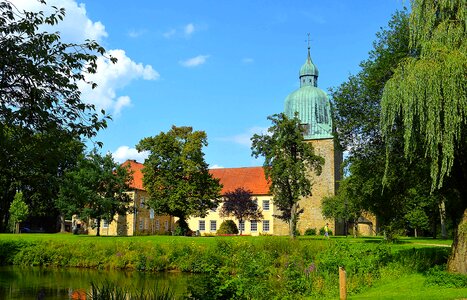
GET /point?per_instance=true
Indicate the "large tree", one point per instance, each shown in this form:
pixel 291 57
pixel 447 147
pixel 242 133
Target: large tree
pixel 39 97
pixel 240 204
pixel 176 176
pixel 357 109
pixel 96 189
pixel 427 98
pixel 288 161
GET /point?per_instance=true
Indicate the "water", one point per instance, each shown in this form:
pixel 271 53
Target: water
pixel 51 283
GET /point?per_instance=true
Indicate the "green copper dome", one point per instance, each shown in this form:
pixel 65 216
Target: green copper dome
pixel 311 104
pixel 309 68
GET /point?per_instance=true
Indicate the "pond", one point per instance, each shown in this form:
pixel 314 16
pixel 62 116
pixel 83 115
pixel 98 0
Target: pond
pixel 51 283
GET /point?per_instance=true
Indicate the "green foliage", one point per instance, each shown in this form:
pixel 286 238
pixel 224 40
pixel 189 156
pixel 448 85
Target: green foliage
pixel 110 291
pixel 437 276
pixel 96 189
pixel 41 109
pixel 228 227
pixel 176 176
pixel 19 210
pixel 240 204
pixel 236 267
pixel 288 160
pixel 310 231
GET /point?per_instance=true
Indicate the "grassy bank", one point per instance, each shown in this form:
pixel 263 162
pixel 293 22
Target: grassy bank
pixel 249 267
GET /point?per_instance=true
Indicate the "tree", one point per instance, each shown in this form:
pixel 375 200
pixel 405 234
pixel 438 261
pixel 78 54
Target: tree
pixel 288 160
pixel 39 96
pixel 426 97
pixel 18 211
pixel 96 189
pixel 240 204
pixel 357 110
pixel 176 176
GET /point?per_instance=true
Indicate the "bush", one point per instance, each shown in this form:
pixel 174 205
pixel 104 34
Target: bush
pixel 310 231
pixel 437 276
pixel 228 227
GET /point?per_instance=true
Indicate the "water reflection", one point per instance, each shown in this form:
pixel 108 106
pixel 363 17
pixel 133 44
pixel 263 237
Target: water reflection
pixel 71 283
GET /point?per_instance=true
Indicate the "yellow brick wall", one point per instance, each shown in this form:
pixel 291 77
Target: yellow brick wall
pixel 194 223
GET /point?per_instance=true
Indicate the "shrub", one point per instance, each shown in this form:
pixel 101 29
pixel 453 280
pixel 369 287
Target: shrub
pixel 228 227
pixel 310 231
pixel 438 277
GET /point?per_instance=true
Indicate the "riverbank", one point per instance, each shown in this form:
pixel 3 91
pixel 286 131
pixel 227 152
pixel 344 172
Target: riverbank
pixel 244 267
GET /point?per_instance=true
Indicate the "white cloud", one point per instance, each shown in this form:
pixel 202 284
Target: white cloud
pixel 124 153
pixel 194 61
pixel 248 60
pixel 189 29
pixel 75 27
pixel 169 33
pixel 244 139
pixel 215 166
pixel 111 77
pixel 136 33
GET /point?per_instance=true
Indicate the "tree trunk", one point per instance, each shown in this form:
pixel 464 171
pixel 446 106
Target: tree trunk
pixel 442 214
pixel 293 221
pixel 98 227
pixel 61 218
pixel 457 260
pixel 17 227
pixel 415 232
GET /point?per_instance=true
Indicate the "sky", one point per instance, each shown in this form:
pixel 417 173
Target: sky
pixel 219 66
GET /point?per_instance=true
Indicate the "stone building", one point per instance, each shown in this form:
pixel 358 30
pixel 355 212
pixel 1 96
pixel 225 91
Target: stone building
pixel 314 111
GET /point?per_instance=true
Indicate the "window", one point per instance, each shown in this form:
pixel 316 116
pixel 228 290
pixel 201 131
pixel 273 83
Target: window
pixel 265 204
pixel 141 224
pixel 158 225
pixel 202 225
pixel 266 225
pixel 105 224
pixel 166 225
pixel 213 225
pixel 241 225
pixel 253 225
pixel 141 202
pixel 151 213
pixel 146 224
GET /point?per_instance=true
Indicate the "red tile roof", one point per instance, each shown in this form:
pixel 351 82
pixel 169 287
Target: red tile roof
pixel 136 168
pixel 251 178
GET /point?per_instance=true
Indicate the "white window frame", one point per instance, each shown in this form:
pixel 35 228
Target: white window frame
pixel 105 223
pixel 253 223
pixel 141 224
pixel 141 202
pixel 241 225
pixel 266 227
pixel 266 204
pixel 202 225
pixel 166 225
pixel 211 223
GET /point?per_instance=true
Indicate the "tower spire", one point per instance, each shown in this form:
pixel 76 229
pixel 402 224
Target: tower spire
pixel 309 56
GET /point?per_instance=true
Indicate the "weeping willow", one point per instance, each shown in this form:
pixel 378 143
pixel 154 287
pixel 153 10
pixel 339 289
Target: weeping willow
pixel 427 94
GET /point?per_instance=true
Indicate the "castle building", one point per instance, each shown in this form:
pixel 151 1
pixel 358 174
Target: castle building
pixel 314 110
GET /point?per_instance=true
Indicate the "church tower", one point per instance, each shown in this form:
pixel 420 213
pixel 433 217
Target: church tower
pixel 314 111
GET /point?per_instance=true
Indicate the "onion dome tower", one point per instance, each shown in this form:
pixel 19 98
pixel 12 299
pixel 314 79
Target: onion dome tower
pixel 311 103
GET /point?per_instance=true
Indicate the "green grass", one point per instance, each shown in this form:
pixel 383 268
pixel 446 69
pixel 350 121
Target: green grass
pixel 410 287
pixel 376 269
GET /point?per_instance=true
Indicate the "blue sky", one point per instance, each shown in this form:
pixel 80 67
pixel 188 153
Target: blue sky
pixel 218 66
